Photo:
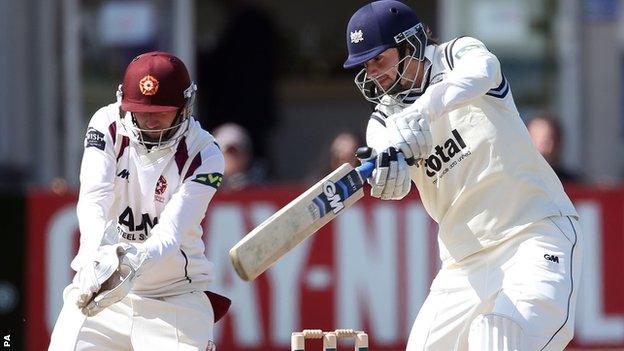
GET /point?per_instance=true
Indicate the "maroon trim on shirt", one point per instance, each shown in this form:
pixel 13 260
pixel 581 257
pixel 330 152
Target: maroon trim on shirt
pixel 194 165
pixel 112 129
pixel 125 141
pixel 181 155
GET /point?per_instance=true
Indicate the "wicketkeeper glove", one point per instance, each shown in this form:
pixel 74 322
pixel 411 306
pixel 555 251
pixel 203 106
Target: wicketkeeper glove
pixel 106 280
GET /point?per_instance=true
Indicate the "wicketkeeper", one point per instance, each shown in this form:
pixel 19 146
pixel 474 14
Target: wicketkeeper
pixel 148 173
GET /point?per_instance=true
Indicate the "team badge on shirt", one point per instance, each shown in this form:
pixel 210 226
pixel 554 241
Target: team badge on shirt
pixel 94 138
pixel 212 179
pixel 161 186
pixel 148 85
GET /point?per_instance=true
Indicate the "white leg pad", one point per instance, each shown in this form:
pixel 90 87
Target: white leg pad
pixel 492 332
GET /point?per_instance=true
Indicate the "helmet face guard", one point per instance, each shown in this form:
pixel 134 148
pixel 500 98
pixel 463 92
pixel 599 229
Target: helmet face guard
pixel 166 136
pixel 414 41
pixel 156 82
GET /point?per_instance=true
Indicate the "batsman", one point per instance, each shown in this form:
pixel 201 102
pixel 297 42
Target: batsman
pixel 509 237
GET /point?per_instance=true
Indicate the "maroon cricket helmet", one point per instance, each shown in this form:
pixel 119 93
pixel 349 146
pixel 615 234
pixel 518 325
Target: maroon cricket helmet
pixel 154 82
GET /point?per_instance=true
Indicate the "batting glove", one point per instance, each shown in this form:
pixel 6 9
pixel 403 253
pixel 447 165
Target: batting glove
pixel 390 179
pixel 409 132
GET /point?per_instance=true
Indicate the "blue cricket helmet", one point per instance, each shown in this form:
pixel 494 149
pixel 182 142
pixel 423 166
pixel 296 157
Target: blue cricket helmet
pixel 377 27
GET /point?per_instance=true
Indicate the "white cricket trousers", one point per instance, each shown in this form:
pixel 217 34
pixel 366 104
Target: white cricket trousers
pixel 530 279
pixel 181 322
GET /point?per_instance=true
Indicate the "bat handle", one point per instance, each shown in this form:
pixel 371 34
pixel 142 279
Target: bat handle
pixel 366 169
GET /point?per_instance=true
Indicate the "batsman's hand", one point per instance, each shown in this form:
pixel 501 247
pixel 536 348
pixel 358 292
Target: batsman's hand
pixel 105 280
pixel 390 179
pixel 409 132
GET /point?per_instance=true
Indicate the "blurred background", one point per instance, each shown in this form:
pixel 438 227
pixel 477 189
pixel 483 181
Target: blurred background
pixel 273 91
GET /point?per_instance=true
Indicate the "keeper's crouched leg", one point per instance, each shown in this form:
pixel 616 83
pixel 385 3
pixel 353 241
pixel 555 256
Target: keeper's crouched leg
pixel 492 332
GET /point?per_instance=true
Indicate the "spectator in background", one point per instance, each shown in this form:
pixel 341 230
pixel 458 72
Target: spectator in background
pixel 238 74
pixel 240 169
pixel 341 150
pixel 59 186
pixel 547 136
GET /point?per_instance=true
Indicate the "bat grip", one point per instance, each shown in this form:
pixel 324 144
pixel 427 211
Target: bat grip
pixel 366 169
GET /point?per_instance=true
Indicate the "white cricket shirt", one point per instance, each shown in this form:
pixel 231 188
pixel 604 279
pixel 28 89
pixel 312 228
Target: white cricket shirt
pixel 483 181
pixel 158 200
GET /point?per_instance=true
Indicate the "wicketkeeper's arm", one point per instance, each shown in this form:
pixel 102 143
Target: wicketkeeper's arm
pixel 97 177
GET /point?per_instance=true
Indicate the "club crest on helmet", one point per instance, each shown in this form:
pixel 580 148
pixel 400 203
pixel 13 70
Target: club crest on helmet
pixel 357 36
pixel 148 85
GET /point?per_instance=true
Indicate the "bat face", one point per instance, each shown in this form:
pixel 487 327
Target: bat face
pixel 302 217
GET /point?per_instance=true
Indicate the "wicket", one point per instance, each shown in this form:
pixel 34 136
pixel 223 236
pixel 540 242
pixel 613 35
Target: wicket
pixel 330 339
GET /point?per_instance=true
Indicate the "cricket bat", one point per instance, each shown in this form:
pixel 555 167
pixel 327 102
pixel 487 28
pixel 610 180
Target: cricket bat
pixel 302 217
